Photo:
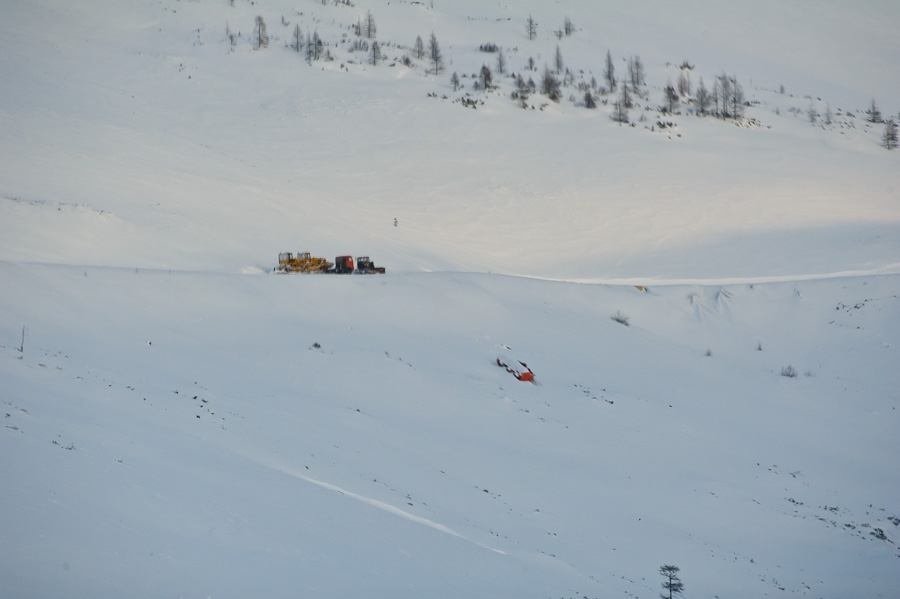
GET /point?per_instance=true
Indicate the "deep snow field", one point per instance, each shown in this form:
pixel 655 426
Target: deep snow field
pixel 181 422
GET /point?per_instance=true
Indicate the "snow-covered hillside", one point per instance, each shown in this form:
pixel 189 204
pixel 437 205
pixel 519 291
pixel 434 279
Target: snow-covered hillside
pixel 141 119
pixel 180 422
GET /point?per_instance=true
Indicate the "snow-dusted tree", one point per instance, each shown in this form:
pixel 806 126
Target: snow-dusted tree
pixel 550 85
pixel 671 97
pixel 829 114
pixel 260 37
pixel 313 47
pixel 485 77
pixel 232 38
pixel 609 72
pixel 874 113
pixel 672 584
pixel 684 83
pixel 297 39
pixel 375 54
pixel 811 112
pixel 636 72
pixel 521 86
pixel 620 112
pixel 310 49
pixel 454 81
pixel 530 66
pixel 626 96
pixel 737 99
pixel 501 62
pixel 319 44
pixel 890 138
pixel 703 98
pixel 368 27
pixel 558 61
pixel 531 28
pixel 434 54
pixel 716 96
pixel 419 48
pixel 589 101
pixel 568 27
pixel 722 92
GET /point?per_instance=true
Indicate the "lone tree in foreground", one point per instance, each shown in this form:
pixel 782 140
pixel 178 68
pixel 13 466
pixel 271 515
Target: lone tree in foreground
pixel 672 585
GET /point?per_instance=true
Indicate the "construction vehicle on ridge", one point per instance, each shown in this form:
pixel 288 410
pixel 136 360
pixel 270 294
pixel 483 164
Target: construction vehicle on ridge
pixel 367 267
pixel 304 262
pixel 343 265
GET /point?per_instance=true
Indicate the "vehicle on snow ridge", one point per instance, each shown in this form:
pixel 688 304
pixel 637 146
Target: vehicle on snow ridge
pixel 304 262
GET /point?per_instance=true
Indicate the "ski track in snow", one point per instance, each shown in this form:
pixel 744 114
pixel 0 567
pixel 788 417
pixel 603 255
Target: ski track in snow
pixel 378 504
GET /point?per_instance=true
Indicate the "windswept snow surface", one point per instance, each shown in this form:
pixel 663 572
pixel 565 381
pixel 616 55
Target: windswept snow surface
pixel 180 422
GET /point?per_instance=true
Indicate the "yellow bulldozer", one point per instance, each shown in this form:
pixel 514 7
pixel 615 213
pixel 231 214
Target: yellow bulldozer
pixel 302 262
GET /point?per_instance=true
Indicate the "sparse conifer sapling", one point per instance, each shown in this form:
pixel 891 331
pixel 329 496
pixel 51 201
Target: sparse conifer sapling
pixel 260 36
pixel 890 139
pixel 672 585
pixel 531 28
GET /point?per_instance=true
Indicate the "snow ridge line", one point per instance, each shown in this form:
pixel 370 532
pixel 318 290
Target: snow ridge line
pixel 382 506
pixel 884 270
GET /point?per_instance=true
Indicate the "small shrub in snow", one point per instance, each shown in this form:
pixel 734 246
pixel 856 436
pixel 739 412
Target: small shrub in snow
pixel 789 371
pixel 708 353
pixel 620 318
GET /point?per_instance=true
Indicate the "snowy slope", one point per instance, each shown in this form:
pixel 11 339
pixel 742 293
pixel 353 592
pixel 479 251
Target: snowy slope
pixel 179 422
pixel 213 449
pixel 151 125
